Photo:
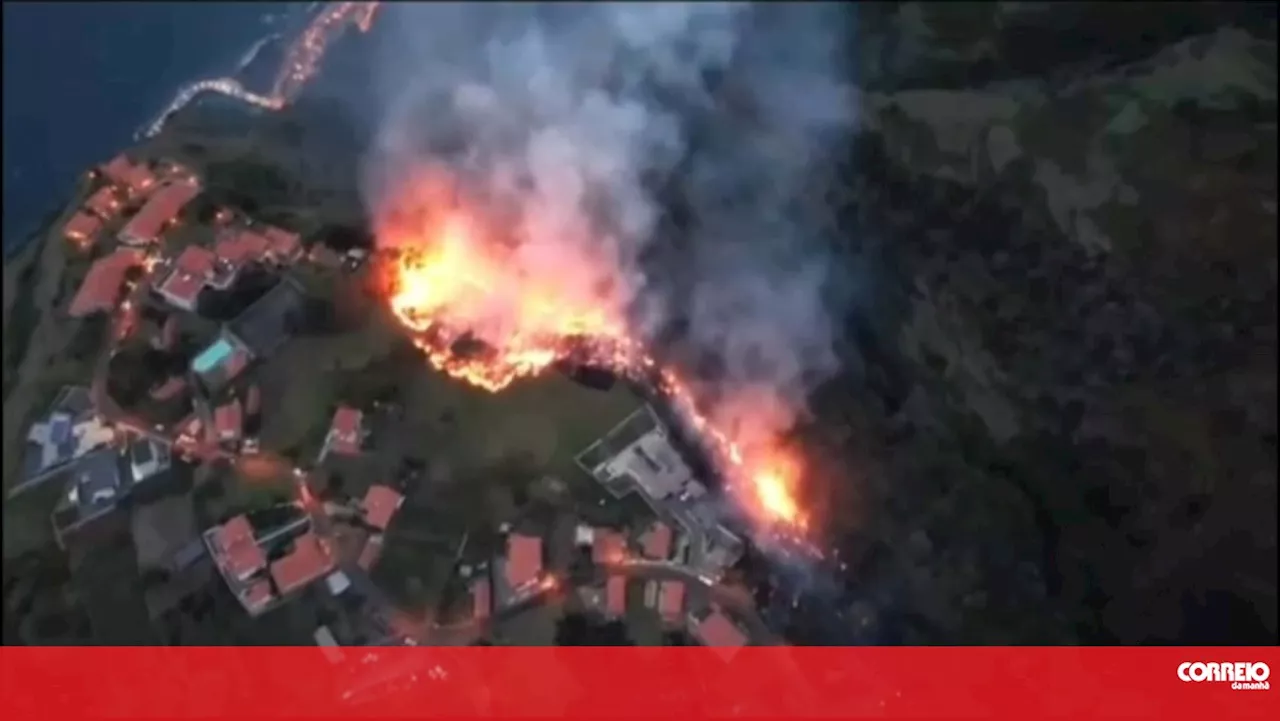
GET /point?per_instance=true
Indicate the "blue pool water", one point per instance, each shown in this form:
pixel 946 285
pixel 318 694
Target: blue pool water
pixel 212 357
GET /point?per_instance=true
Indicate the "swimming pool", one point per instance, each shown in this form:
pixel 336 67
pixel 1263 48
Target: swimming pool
pixel 213 356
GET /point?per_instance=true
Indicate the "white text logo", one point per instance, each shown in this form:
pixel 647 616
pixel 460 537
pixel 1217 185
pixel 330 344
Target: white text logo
pixel 1241 676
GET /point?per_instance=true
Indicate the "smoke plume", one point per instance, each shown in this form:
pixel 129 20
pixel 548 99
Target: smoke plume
pixel 657 159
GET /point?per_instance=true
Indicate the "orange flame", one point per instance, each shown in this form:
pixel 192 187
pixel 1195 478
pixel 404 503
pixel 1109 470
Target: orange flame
pixel 452 280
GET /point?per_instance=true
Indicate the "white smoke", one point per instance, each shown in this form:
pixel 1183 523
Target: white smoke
pixel 571 115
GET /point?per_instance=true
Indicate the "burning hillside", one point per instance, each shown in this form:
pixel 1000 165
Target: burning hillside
pixel 515 181
pixel 481 317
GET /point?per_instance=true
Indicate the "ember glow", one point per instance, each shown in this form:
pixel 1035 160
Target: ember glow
pixel 480 316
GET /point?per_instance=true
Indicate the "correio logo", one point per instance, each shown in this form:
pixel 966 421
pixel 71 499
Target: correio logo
pixel 1242 676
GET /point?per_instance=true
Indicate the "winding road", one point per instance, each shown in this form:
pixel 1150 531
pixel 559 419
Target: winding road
pixel 301 62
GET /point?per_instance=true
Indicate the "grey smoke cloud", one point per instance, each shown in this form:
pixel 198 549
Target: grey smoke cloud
pixel 566 114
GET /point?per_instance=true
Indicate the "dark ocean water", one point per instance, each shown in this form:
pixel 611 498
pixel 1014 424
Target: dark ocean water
pixel 80 78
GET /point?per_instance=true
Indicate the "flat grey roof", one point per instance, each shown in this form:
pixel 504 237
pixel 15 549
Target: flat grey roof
pixel 267 324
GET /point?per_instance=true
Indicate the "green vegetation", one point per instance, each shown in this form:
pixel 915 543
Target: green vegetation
pixel 23 318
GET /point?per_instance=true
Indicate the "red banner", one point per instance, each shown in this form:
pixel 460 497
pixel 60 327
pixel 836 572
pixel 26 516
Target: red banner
pixel 592 683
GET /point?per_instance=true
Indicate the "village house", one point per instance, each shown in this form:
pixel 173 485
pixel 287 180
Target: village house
pixel 346 433
pixel 380 505
pixel 159 212
pixel 70 430
pixel 718 630
pixel 521 567
pixel 103 285
pixel 191 272
pixel 104 203
pixel 269 322
pixel 94 485
pixel 135 179
pixel 82 229
pixel 377 509
pixel 241 561
pixel 309 560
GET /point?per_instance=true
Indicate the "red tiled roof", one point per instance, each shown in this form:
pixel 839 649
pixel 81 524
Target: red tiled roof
pixel 139 180
pixel 236 549
pixel 101 287
pixel 103 203
pixel 240 247
pixel 82 226
pixel 717 630
pixel 481 598
pixel 615 595
pixel 524 559
pixel 159 209
pixel 344 434
pixel 122 171
pixel 607 546
pixel 190 273
pixel 308 561
pixel 657 541
pixel 228 419
pixel 169 389
pixel 234 531
pixel 671 599
pixel 258 595
pixel 380 504
pixel 371 552
pixel 196 260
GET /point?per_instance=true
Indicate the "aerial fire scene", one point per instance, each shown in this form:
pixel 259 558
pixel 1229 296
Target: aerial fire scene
pixel 671 324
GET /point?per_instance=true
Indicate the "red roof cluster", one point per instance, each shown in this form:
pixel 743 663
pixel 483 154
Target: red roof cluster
pixel 671 599
pixel 380 504
pixel 524 559
pixel 607 547
pixel 103 203
pixel 82 227
pixel 135 177
pixel 190 272
pixel 228 419
pixel 239 247
pixel 308 561
pixel 344 434
pixel 717 630
pixel 657 541
pixel 236 550
pixel 100 290
pixel 159 210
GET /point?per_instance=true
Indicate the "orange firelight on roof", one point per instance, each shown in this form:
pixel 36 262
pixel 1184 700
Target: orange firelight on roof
pixel 451 279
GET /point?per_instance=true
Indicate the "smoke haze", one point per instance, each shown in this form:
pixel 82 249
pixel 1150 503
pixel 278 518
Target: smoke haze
pixel 572 120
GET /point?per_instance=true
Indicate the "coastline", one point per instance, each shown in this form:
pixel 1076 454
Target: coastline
pixel 282 26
